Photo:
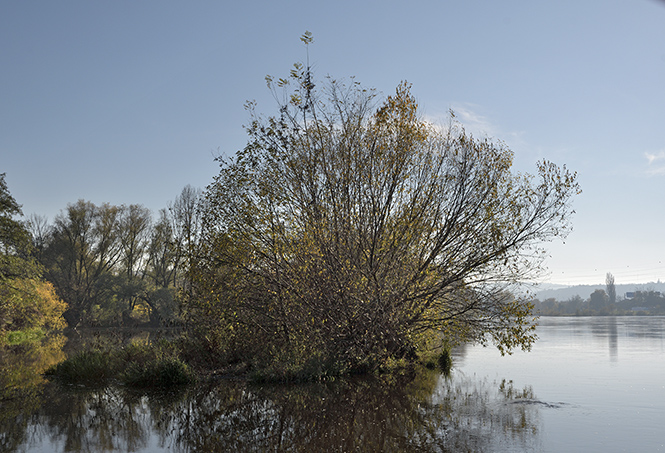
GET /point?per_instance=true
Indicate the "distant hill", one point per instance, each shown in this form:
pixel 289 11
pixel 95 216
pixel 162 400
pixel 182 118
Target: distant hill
pixel 584 291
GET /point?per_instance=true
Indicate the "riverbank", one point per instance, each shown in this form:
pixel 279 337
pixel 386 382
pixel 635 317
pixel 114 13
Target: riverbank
pixel 178 361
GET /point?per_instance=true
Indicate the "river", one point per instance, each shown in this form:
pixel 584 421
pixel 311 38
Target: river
pixel 589 384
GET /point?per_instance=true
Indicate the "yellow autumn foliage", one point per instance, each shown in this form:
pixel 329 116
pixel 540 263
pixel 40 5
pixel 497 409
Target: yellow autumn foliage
pixel 30 303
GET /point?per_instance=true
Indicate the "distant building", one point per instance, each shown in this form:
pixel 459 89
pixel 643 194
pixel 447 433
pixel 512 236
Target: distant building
pixel 630 295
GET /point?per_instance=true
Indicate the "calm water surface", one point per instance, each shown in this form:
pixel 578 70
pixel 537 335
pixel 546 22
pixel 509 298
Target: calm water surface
pixel 589 384
pixel 599 382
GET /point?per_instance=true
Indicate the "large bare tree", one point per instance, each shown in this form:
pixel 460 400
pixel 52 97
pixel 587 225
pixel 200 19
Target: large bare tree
pixel 84 249
pixel 349 227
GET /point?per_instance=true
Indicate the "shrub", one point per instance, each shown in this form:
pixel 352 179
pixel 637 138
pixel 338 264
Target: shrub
pixel 138 365
pixel 86 367
pixel 445 362
pixel 161 373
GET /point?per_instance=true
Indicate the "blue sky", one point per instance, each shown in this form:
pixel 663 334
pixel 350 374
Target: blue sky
pixel 127 102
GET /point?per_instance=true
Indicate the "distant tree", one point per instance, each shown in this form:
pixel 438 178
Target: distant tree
pixel 135 228
pixel 550 306
pixel 598 300
pixel 186 226
pixel 611 289
pixel 112 264
pixel 648 298
pixel 163 254
pixel 574 305
pixel 82 254
pixel 40 230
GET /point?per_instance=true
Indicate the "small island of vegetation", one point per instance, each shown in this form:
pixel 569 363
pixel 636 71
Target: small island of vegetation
pixel 348 236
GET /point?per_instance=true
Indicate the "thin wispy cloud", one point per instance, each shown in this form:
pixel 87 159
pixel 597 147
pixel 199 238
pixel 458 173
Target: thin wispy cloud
pixel 656 163
pixel 467 115
pixel 654 157
pixel 475 122
pixel 657 170
pixel 481 126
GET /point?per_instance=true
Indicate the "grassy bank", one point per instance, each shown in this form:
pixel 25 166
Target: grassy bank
pixel 137 364
pixel 167 363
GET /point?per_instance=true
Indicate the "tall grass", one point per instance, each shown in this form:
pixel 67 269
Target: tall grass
pixel 167 372
pixel 137 365
pixel 86 367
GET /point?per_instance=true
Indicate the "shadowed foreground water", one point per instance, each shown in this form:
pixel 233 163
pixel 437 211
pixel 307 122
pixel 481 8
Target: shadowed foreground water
pixel 590 384
pixel 425 413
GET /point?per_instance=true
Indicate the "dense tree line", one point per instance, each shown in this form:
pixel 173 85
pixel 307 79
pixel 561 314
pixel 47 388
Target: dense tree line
pixel 604 302
pixel 600 303
pixel 116 264
pixel 103 264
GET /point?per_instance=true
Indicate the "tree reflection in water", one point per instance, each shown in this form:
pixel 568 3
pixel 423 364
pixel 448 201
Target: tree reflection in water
pixel 425 412
pixel 21 386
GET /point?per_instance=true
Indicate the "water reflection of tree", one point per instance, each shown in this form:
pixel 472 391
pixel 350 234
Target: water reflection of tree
pixel 363 414
pixel 424 412
pixel 21 386
pixel 106 419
